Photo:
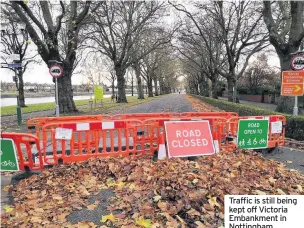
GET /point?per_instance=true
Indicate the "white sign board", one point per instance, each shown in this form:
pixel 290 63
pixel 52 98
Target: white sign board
pixel 63 133
pixel 276 127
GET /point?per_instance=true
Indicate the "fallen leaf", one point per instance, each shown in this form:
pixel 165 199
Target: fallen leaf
pixel 281 192
pixel 272 180
pixel 132 186
pixel 195 181
pixel 91 207
pixel 258 192
pixel 212 202
pixel 237 164
pixel 289 162
pixel 7 188
pixel 144 222
pixel 299 187
pixel 57 197
pixel 162 206
pixel 8 209
pixel 110 217
pixel 120 184
pixel 156 198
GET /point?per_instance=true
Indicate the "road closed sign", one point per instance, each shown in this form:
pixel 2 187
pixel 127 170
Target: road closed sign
pixel 253 134
pixel 9 160
pixel 189 138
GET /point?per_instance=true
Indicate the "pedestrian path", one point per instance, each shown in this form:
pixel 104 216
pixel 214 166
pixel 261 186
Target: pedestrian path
pixel 168 103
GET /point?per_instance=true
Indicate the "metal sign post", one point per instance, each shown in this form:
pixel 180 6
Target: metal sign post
pixel 56 71
pixel 296 108
pixel 57 103
pixel 297 64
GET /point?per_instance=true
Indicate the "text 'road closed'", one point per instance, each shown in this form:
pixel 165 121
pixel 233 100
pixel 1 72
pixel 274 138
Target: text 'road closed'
pixel 189 138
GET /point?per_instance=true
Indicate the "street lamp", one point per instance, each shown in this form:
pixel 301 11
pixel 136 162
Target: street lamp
pixel 15 57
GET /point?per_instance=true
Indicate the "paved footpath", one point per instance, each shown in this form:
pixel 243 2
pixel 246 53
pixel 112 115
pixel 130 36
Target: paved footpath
pixel 169 103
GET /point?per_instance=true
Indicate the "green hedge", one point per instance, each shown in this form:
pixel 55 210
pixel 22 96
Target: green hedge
pixel 294 124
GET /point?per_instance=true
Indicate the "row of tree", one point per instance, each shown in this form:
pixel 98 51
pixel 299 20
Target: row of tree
pixel 212 40
pixel 219 38
pixel 128 33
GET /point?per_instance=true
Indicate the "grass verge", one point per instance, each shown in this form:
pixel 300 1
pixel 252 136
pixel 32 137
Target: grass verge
pixel 294 124
pixel 82 105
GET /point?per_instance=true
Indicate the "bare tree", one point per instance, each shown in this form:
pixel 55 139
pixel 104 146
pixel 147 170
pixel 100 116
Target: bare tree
pixel 118 26
pixel 192 48
pixel 284 21
pixel 15 40
pixel 45 34
pixel 259 75
pixel 240 29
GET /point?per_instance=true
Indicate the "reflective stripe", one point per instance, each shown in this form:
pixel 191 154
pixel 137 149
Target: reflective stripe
pixel 82 126
pixel 107 125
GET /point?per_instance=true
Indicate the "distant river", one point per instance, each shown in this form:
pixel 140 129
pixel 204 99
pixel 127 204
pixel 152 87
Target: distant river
pixel 37 100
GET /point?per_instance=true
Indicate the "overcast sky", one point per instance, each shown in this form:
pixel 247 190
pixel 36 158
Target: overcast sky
pixel 40 74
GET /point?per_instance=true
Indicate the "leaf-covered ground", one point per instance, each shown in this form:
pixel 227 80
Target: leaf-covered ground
pixel 167 193
pixel 200 106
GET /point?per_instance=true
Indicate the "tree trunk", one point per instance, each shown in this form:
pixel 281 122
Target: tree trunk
pixel 214 88
pixel 140 89
pixel 231 85
pixel 121 81
pixel 155 86
pixel 21 89
pixel 132 86
pixel 285 103
pixel 161 87
pixel 65 93
pixel 113 89
pixel 201 88
pixel 150 87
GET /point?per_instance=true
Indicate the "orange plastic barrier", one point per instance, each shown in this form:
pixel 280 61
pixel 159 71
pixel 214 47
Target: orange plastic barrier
pixel 26 145
pixel 35 124
pixel 274 139
pixel 92 139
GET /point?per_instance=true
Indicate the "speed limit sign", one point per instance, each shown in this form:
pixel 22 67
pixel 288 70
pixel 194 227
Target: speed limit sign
pixel 56 71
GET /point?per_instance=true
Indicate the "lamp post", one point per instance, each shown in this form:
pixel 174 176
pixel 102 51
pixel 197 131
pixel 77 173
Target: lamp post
pixel 15 57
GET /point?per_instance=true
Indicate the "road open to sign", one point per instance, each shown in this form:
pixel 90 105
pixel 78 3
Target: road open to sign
pixel 189 138
pixel 253 134
pixel 8 155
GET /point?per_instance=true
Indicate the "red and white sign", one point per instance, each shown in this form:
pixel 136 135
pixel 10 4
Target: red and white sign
pixel 189 138
pixel 56 71
pixel 297 62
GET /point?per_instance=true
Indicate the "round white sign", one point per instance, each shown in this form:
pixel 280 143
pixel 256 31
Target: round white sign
pixel 297 63
pixel 56 71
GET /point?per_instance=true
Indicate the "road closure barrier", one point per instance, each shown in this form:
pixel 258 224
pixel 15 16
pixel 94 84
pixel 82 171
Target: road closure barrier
pixel 78 141
pixel 77 138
